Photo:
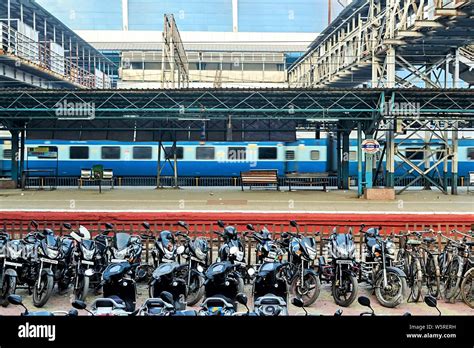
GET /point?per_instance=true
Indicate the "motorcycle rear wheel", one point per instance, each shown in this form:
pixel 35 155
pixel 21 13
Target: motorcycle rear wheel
pixel 42 295
pixel 196 290
pixel 8 288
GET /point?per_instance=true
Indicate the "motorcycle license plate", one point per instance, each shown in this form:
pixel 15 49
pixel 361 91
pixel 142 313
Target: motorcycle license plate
pixel 117 260
pixel 166 260
pixel 85 262
pixel 2 255
pixel 344 262
pixel 14 264
pixel 267 259
pixel 54 262
pixel 240 255
pixel 271 254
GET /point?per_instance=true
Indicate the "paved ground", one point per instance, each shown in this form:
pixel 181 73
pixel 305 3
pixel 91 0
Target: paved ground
pixel 324 305
pixel 230 199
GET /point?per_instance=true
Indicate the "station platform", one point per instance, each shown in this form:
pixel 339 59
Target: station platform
pixel 415 209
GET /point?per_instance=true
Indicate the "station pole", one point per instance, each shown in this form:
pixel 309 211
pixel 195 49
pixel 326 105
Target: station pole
pixel 15 156
pixel 338 157
pixel 454 164
pixel 368 165
pixel 390 162
pixel 345 160
pixel 359 160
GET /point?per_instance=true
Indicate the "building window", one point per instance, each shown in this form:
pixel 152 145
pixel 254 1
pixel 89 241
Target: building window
pixel 142 152
pixel 267 153
pixel 414 154
pixel 169 154
pixel 237 153
pixel 7 154
pixel 79 152
pixel 205 153
pixel 290 155
pixel 110 152
pixel 315 155
pixel 470 153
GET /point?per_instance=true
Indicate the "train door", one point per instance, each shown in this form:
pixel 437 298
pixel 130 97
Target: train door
pixel 291 159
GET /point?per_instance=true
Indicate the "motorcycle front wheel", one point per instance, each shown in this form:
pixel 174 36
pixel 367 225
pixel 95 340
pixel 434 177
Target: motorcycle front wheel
pixel 345 293
pixel 8 288
pixel 42 293
pixel 80 292
pixel 196 289
pixel 392 295
pixel 308 290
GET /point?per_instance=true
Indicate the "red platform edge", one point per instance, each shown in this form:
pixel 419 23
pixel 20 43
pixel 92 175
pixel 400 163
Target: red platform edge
pixel 389 221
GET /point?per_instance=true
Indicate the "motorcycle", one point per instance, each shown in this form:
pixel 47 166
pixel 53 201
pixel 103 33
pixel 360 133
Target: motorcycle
pixel 7 272
pixel 266 249
pixel 84 261
pixel 196 252
pixel 53 265
pixel 126 247
pixel 304 281
pixel 164 250
pixel 119 285
pixel 232 249
pixel 377 269
pixel 342 270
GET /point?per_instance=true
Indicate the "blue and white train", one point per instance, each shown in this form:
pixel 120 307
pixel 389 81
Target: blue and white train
pixel 196 159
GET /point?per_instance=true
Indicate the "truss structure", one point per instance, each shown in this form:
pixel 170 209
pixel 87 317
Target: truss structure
pixel 392 43
pixel 174 62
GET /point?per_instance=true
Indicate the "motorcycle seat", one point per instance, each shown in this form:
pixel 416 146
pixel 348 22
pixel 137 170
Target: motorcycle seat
pixel 217 302
pixel 113 302
pixel 270 299
pixel 470 243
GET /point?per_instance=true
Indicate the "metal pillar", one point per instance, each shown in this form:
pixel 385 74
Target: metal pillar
pixel 339 169
pixel 454 164
pixel 368 166
pixel 390 159
pixel 360 178
pixel 175 164
pixel 15 155
pixel 22 149
pixel 345 160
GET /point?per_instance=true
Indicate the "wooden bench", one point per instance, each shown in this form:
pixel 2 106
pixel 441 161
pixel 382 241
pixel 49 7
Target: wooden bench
pixel 88 175
pixel 307 179
pixel 260 177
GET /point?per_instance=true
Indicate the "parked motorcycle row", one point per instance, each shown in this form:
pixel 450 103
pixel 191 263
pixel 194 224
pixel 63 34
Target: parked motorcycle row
pixel 182 276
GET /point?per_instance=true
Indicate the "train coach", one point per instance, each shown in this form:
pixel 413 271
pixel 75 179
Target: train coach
pixel 207 159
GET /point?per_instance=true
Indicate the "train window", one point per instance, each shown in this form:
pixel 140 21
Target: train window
pixel 414 154
pixel 352 155
pixel 315 155
pixel 470 153
pixel 79 152
pixel 169 154
pixel 267 153
pixel 142 152
pixel 7 154
pixel 205 153
pixel 290 155
pixel 110 152
pixel 236 153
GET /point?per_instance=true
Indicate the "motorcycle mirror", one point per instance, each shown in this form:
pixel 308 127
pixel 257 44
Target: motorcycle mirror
pixel 242 298
pixel 407 314
pixel 180 250
pixel 250 227
pixel 78 304
pixel 297 302
pixel 338 313
pixel 15 300
pixel 183 224
pixel 293 223
pixel 146 225
pixel 167 297
pixel 432 302
pixel 220 223
pixel 72 313
pixel 284 235
pixel 67 226
pixel 109 226
pixel 364 301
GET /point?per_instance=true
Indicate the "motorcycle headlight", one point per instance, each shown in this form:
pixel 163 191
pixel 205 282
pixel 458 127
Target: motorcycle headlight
pixel 311 253
pixel 342 252
pixel 52 254
pixel 88 254
pixel 12 253
pixel 120 254
pixel 390 248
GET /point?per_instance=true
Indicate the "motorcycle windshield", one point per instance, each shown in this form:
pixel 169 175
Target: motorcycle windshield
pixel 51 241
pixel 122 240
pixel 265 234
pixel 88 244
